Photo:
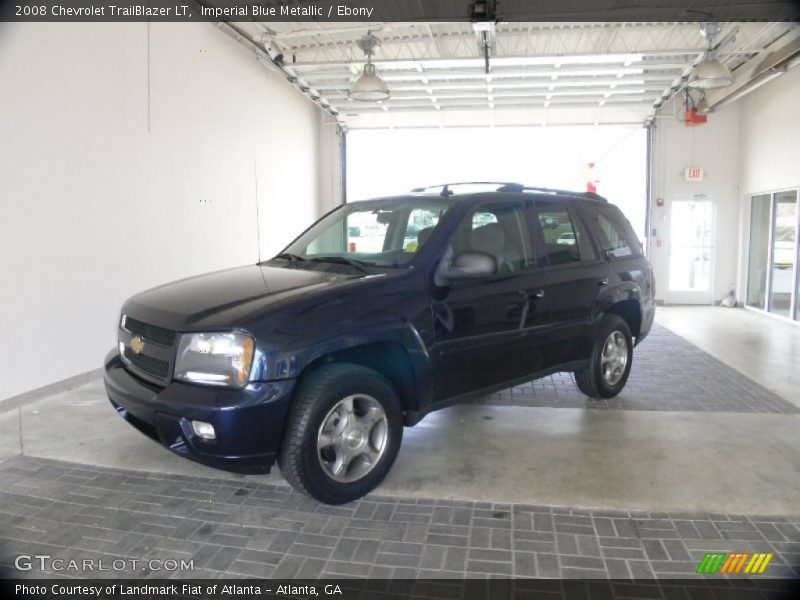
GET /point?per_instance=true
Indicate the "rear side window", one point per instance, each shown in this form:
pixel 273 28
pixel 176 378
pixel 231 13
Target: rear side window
pixel 565 241
pixel 614 232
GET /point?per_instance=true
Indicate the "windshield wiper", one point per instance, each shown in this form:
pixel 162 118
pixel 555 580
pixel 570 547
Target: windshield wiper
pixel 341 260
pixel 291 257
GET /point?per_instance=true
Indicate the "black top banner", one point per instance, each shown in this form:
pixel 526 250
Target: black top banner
pixel 366 11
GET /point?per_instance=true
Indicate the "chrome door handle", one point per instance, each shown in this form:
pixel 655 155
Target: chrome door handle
pixel 602 282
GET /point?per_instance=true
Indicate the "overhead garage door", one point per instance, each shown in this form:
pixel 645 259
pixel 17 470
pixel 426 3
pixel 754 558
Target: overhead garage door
pixel 384 162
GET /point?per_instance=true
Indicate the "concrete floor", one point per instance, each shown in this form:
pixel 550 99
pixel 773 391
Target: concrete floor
pixel 630 460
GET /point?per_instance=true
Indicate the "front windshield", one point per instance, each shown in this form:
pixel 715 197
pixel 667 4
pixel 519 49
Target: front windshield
pixel 383 234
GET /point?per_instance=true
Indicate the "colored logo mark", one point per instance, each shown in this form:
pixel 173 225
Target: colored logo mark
pixel 734 562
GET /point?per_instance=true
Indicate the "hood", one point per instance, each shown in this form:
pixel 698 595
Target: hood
pixel 228 298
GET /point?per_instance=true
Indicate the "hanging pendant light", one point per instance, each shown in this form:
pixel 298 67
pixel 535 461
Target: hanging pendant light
pixel 710 73
pixel 368 86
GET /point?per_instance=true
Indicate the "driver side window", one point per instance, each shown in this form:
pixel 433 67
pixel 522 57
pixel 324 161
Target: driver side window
pixel 500 230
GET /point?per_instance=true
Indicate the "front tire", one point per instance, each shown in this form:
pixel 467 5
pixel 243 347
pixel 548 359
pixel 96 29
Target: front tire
pixel 611 360
pixel 343 433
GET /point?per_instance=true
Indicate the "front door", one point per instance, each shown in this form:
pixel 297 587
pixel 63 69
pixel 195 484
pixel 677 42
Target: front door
pixel 488 329
pixel 691 250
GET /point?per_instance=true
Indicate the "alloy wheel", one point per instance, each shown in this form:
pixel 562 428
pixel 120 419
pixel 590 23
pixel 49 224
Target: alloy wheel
pixel 352 438
pixel 614 358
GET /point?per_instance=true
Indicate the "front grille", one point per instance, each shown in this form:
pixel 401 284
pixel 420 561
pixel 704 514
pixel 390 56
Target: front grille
pixel 152 366
pixel 150 333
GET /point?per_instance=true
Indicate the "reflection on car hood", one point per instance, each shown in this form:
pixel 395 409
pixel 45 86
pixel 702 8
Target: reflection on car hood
pixel 226 297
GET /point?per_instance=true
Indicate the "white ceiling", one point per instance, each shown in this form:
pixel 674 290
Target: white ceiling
pixel 539 72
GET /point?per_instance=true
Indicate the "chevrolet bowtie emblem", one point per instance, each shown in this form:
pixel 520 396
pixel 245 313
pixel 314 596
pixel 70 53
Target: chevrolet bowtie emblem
pixel 137 344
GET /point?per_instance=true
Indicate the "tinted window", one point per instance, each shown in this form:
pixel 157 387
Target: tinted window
pixel 420 225
pixel 616 236
pixel 585 243
pixel 375 233
pixel 564 242
pixel 500 230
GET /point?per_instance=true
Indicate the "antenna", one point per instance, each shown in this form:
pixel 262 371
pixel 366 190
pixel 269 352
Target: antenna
pixel 258 219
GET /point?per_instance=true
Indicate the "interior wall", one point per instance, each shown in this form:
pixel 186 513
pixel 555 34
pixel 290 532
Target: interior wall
pixel 714 147
pixel 770 150
pixel 330 165
pixel 747 147
pixel 132 155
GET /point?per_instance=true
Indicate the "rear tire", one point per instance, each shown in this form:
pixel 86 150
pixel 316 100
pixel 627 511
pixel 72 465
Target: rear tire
pixel 611 360
pixel 343 433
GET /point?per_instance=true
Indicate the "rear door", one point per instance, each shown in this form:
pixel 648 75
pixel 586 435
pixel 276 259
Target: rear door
pixel 630 273
pixel 573 275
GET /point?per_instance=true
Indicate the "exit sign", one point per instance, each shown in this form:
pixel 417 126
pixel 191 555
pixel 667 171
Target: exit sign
pixel 694 174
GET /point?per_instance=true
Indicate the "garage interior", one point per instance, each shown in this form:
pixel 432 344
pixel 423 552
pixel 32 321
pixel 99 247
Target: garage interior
pixel 135 154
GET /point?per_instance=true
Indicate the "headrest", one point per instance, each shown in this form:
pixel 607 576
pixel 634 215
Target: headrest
pixel 489 238
pixel 423 235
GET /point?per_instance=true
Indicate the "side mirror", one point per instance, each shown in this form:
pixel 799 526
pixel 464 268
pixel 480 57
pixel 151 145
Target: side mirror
pixel 470 265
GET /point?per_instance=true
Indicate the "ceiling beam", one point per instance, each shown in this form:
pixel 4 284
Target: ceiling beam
pixel 552 74
pixel 622 59
pixel 519 84
pixel 391 106
pixel 601 92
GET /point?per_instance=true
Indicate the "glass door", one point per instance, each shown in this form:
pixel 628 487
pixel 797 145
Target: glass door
pixel 691 250
pixel 758 259
pixel 784 253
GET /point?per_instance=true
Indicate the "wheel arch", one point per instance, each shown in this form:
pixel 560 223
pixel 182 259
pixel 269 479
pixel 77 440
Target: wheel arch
pixel 630 311
pixel 389 358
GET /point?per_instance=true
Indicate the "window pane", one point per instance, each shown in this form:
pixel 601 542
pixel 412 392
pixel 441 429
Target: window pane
pixel 365 233
pixel 421 222
pixel 500 230
pixel 616 234
pixel 559 236
pixel 482 217
pixel 585 244
pixel 784 253
pixel 380 233
pixel 332 240
pixel 759 251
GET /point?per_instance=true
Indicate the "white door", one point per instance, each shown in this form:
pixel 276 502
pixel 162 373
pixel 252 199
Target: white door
pixel 691 250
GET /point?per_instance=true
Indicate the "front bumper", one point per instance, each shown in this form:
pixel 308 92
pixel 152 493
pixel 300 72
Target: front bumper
pixel 248 422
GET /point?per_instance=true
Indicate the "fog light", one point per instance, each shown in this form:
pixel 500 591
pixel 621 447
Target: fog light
pixel 205 431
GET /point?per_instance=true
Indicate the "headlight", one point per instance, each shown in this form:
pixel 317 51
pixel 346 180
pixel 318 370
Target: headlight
pixel 215 358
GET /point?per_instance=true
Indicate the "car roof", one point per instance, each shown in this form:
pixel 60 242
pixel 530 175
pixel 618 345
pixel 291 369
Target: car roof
pixel 450 196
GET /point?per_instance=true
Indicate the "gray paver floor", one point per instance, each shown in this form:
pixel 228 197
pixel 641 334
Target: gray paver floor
pixel 247 529
pixel 668 374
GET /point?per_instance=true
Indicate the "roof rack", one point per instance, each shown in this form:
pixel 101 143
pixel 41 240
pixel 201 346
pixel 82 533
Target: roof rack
pixel 558 192
pixel 508 186
pixel 446 191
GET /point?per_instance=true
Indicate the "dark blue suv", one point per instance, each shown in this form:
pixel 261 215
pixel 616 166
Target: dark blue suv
pixel 379 313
